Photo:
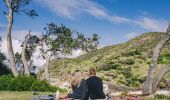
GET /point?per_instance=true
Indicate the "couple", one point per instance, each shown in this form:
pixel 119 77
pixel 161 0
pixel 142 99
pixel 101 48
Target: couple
pixel 86 86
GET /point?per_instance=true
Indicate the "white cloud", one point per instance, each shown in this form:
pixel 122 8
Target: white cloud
pixel 75 53
pixel 152 23
pixel 37 58
pixel 16 46
pixel 131 35
pixel 72 8
pixel 19 34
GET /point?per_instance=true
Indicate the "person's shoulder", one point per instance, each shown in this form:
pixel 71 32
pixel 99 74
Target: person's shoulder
pixel 93 77
pixel 90 79
pixel 97 77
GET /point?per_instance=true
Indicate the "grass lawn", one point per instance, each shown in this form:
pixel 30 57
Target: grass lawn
pixel 24 95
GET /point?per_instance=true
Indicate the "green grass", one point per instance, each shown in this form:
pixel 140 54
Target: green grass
pixel 24 95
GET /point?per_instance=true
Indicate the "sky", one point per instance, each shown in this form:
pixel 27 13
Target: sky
pixel 116 21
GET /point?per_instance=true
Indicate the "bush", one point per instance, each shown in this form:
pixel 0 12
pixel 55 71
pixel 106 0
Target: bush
pixel 4 70
pixel 40 86
pixel 110 65
pixel 21 83
pixel 161 97
pixel 164 59
pixel 127 62
pixel 133 53
pixel 25 83
pixel 124 92
pixel 5 82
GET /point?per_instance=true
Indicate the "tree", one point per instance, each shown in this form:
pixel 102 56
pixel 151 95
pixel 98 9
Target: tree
pixel 153 79
pixel 3 68
pixel 59 40
pixel 23 55
pixel 19 63
pixel 2 56
pixel 15 6
pixel 28 48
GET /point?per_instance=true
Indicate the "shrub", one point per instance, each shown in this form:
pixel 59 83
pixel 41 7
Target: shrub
pixel 4 70
pixel 161 97
pixel 164 59
pixel 133 53
pixel 127 62
pixel 110 65
pixel 25 83
pixel 124 92
pixel 39 86
pixel 5 82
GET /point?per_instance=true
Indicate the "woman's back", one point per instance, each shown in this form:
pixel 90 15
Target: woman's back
pixel 77 93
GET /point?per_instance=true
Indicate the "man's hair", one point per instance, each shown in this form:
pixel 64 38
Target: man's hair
pixel 92 71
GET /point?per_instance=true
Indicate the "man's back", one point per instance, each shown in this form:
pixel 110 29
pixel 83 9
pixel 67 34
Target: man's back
pixel 95 88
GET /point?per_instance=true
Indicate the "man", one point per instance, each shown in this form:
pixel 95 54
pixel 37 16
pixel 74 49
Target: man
pixel 93 88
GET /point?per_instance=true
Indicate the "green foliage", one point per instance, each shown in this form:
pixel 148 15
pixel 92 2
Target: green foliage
pixel 133 52
pixel 110 65
pixel 18 6
pixel 5 82
pixel 44 86
pixel 87 44
pixel 25 83
pixel 21 83
pixel 4 70
pixel 2 57
pixel 18 58
pixel 127 61
pixel 133 81
pixel 61 39
pixel 162 85
pixel 124 92
pixel 19 62
pixel 164 59
pixel 161 97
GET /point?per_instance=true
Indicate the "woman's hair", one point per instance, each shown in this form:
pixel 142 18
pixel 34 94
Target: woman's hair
pixel 76 79
pixel 92 71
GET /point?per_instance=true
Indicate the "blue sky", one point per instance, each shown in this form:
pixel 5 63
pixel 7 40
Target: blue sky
pixel 115 21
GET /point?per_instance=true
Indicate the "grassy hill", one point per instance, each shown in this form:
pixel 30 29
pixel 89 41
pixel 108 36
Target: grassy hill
pixel 125 63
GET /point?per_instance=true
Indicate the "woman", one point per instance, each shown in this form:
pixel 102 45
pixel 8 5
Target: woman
pixel 79 81
pixel 75 80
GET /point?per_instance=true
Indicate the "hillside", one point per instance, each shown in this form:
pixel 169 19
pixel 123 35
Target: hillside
pixel 125 63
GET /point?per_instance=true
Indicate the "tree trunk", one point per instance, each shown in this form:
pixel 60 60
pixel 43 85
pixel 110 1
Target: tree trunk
pixel 47 58
pixel 159 77
pixel 9 44
pixel 147 88
pixel 23 57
